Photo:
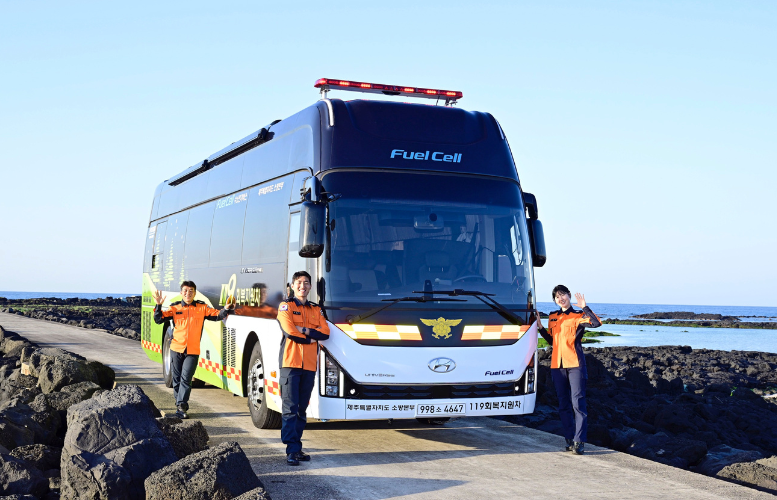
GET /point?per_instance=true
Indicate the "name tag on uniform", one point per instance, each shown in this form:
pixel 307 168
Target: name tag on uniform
pixel 297 312
pixel 179 312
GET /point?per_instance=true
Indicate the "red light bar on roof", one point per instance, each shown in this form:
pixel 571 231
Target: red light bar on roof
pixel 326 84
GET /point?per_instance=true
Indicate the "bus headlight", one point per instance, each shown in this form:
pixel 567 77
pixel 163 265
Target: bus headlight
pixel 530 376
pixel 330 378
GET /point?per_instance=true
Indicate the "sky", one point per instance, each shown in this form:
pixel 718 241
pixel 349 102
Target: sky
pixel 646 129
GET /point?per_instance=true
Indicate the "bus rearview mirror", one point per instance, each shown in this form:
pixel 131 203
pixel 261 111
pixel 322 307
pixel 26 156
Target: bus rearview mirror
pixel 312 229
pixel 537 235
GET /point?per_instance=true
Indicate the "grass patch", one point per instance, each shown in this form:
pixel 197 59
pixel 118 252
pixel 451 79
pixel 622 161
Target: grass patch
pixel 597 333
pixel 588 338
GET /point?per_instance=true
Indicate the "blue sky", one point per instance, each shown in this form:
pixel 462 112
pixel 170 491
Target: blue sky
pixel 645 128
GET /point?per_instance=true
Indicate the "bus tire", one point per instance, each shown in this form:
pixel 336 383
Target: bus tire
pixel 262 416
pixel 167 372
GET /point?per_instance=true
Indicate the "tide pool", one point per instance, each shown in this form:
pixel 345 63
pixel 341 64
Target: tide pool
pixel 723 339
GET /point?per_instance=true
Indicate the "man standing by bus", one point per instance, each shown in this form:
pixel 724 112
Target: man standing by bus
pixel 188 316
pixel 566 328
pixel 303 324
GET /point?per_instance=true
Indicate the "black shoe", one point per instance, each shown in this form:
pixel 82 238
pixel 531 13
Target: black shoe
pixel 291 459
pixel 570 445
pixel 181 414
pixel 578 448
pixel 303 457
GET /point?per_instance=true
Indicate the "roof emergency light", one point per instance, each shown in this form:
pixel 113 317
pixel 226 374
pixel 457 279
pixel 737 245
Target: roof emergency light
pixel 327 84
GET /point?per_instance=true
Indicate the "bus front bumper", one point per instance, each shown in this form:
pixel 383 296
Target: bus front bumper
pixel 360 409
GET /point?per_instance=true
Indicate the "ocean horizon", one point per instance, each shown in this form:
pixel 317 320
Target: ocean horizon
pixel 602 309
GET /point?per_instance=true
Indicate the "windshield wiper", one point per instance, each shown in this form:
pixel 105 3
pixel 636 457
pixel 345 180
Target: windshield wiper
pixel 483 297
pixel 391 302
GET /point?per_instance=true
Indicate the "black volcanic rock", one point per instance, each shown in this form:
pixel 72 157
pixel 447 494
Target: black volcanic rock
pixel 686 315
pixel 697 409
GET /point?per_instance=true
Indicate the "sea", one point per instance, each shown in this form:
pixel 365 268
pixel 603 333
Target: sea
pixel 725 339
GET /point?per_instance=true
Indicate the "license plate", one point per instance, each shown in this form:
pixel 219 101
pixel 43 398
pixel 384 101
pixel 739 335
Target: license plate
pixel 440 410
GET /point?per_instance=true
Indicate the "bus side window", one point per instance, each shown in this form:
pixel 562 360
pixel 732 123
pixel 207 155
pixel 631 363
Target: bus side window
pixel 159 246
pixel 149 249
pixel 226 242
pixel 295 262
pixel 174 244
pixel 267 220
pixel 197 246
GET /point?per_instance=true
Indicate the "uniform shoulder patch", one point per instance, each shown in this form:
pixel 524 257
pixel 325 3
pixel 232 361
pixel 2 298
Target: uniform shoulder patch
pixel 198 302
pixel 177 302
pixel 283 307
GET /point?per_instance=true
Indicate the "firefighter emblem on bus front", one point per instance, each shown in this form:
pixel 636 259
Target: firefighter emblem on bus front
pixel 442 326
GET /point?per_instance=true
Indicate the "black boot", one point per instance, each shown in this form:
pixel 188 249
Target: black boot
pixel 291 459
pixel 578 448
pixel 570 445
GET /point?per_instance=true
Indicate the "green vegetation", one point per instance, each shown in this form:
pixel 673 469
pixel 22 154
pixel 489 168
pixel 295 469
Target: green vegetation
pixel 589 333
pixel 587 338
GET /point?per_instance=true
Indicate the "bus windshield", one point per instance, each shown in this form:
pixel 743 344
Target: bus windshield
pixel 392 234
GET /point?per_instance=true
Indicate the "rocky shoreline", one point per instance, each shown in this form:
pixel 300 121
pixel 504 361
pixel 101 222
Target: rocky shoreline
pixel 67 432
pixel 696 409
pixel 117 316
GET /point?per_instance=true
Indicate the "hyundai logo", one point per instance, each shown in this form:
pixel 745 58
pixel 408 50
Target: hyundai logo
pixel 442 365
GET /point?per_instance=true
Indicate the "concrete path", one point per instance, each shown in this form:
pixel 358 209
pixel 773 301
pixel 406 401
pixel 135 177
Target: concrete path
pixel 465 459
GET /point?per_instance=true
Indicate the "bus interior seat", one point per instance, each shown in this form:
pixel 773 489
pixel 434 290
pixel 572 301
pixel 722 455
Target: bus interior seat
pixel 389 264
pixel 437 267
pixel 415 257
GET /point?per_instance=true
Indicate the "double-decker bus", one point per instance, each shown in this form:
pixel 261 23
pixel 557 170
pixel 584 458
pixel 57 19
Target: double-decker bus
pixel 421 242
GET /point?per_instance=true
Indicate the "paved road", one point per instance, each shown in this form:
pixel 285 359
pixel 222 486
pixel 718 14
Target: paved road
pixel 467 458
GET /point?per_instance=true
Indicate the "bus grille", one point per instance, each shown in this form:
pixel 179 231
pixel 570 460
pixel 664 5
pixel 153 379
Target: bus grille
pixel 228 341
pixel 453 391
pixel 145 328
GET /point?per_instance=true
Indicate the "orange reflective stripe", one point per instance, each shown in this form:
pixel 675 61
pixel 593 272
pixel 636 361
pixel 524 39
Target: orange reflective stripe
pixel 151 346
pixel 220 370
pixel 381 332
pixel 493 332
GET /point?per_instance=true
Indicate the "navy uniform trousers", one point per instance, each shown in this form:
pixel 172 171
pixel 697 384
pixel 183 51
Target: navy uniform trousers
pixel 182 366
pixel 570 389
pixel 296 388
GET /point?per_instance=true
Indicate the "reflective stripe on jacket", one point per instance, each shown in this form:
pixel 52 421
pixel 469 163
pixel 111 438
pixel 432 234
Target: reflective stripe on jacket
pixel 299 350
pixel 565 333
pixel 188 320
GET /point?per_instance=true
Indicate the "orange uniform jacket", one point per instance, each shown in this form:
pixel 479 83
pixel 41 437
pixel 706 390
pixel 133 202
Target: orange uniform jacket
pixel 300 350
pixel 565 333
pixel 188 320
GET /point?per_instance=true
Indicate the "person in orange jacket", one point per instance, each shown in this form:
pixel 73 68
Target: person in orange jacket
pixel 565 331
pixel 304 325
pixel 188 317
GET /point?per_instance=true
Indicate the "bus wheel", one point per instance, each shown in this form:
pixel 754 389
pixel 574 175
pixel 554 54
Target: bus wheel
pixel 167 372
pixel 433 421
pixel 262 416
